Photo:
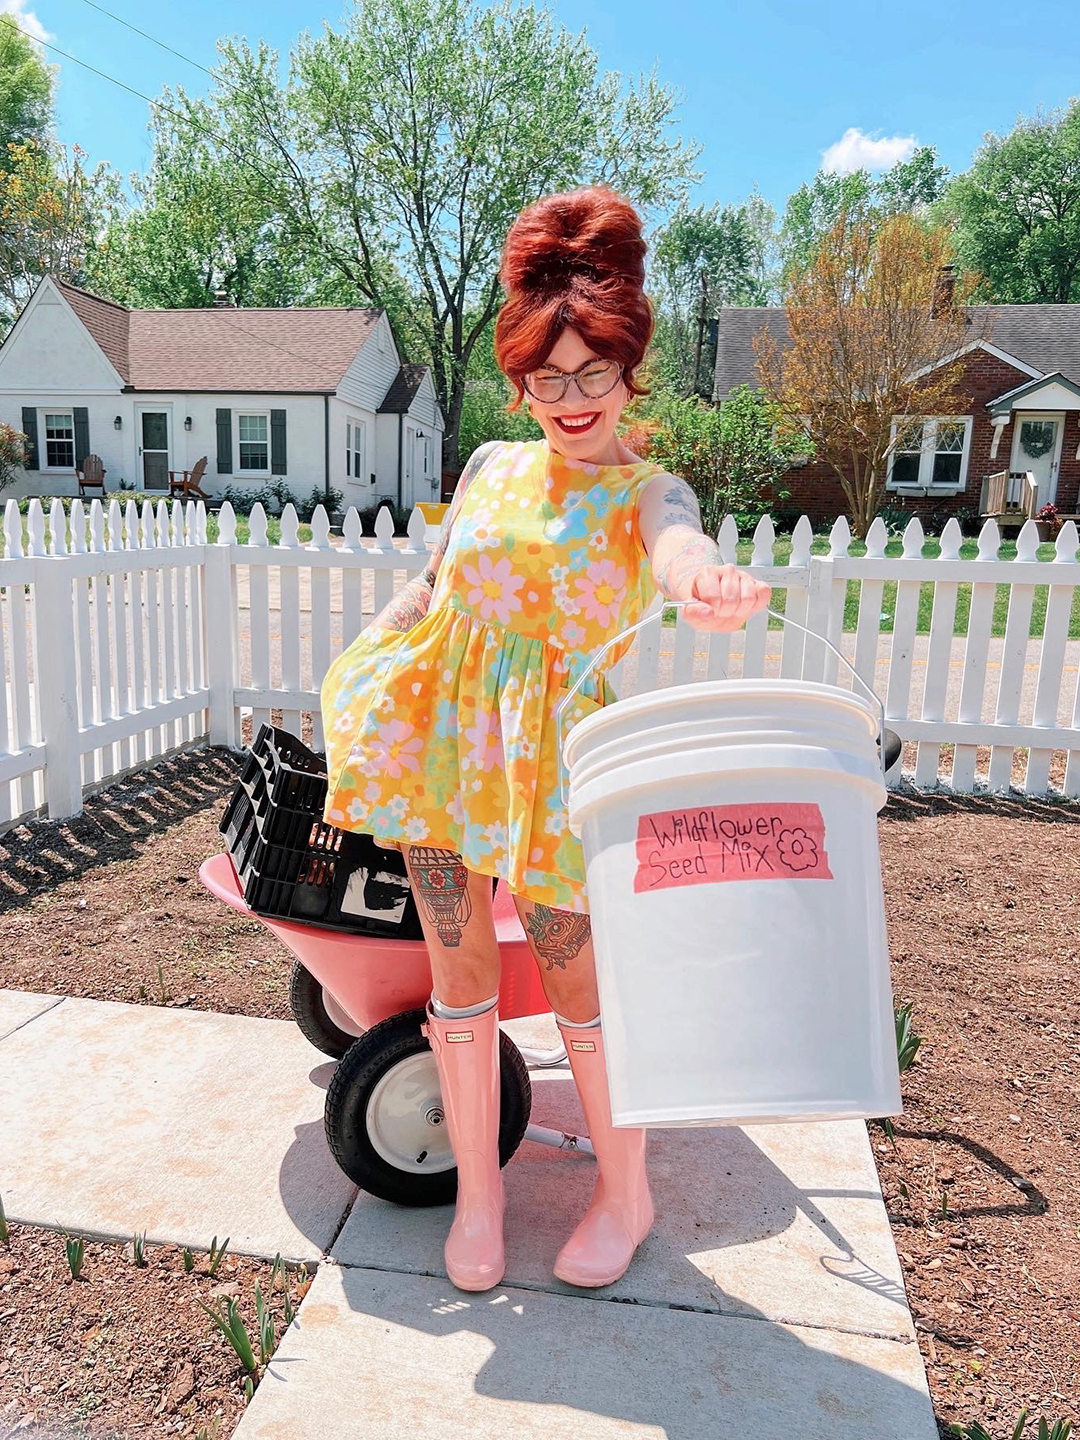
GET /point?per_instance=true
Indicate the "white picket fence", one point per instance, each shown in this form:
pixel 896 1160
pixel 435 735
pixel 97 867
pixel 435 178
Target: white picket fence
pixel 125 635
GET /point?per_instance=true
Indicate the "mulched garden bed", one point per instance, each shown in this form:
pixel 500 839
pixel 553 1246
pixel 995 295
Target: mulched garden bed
pixel 982 1180
pixel 125 1349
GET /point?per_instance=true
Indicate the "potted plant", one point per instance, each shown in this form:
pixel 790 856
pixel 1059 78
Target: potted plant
pixel 1048 521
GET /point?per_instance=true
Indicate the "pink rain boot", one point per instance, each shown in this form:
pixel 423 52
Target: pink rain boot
pixel 620 1214
pixel 467 1056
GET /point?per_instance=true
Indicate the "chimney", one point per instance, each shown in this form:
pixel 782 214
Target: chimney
pixel 944 285
pixel 222 301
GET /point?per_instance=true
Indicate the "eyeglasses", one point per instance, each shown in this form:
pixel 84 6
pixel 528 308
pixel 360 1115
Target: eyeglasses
pixel 594 379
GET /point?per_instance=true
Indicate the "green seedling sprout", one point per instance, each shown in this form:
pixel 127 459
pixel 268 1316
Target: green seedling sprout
pixel 233 1328
pixel 266 1325
pixel 216 1255
pixel 907 1042
pixel 76 1252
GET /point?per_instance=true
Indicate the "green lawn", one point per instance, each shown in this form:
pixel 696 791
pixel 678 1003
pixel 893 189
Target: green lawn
pixel 931 549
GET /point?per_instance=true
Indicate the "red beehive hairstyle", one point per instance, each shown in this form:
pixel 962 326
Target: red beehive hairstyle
pixel 574 260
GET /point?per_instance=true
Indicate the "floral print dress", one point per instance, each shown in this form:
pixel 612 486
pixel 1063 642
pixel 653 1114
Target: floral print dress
pixel 444 734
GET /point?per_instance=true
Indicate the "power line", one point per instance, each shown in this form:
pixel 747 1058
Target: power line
pixel 160 43
pixel 153 39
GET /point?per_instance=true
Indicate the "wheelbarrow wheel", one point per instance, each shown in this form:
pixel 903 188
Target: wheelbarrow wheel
pixel 320 1018
pixel 384 1119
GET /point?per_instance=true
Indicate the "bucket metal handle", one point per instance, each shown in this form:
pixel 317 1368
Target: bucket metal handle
pixel 678 604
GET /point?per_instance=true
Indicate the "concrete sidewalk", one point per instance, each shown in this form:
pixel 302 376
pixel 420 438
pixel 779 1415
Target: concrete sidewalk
pixel 768 1300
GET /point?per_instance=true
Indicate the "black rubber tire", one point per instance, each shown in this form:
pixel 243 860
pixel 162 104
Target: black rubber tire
pixel 360 1069
pixel 309 1012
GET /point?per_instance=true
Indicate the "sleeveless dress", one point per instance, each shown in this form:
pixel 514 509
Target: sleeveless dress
pixel 444 734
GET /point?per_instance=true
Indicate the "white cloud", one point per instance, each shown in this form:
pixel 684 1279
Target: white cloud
pixel 857 151
pixel 25 19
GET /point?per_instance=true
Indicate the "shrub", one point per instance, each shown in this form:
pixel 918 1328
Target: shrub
pixel 12 452
pixel 729 455
pixel 399 513
pixel 305 509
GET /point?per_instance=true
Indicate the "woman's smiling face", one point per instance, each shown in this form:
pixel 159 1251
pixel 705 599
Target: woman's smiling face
pixel 578 426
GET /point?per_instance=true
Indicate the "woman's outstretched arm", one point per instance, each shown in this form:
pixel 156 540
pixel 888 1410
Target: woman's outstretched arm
pixel 412 601
pixel 686 562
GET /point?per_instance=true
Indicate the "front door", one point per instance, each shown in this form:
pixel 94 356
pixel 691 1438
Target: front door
pixel 154 449
pixel 1037 450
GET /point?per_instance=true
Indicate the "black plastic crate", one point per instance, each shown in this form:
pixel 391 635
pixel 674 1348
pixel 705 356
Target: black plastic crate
pixel 282 771
pixel 291 865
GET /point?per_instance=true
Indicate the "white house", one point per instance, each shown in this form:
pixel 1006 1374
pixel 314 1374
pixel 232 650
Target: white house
pixel 313 396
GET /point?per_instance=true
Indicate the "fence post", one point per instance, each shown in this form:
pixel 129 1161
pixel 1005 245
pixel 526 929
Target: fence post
pixel 220 620
pixel 818 599
pixel 58 685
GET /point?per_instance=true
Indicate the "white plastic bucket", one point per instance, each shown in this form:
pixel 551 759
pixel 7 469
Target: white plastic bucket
pixel 730 838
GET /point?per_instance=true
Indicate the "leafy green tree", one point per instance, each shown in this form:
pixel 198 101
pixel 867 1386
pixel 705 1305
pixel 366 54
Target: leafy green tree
pixel 195 227
pixel 25 89
pixel 483 411
pixel 50 210
pixel 1016 212
pixel 910 186
pixel 701 260
pixel 812 211
pixel 401 147
pixel 728 454
pixel 913 185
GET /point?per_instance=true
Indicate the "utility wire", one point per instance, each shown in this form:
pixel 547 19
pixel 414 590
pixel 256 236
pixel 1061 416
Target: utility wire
pixel 152 38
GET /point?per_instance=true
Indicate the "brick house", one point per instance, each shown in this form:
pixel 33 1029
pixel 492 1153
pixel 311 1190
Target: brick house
pixel 1022 415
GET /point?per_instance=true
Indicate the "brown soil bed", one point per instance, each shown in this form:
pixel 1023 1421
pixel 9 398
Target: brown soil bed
pixel 982 1182
pixel 125 1349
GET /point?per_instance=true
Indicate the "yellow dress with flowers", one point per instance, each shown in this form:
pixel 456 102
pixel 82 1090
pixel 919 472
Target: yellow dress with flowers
pixel 444 734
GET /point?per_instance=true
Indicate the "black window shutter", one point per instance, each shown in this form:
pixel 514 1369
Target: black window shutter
pixel 277 442
pixel 82 434
pixel 29 427
pixel 224 442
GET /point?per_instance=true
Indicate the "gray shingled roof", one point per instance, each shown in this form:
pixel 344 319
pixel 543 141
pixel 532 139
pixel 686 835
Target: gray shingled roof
pixel 1044 337
pixel 402 390
pixel 282 350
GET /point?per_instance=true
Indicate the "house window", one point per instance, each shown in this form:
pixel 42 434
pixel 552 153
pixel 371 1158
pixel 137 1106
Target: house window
pixel 59 440
pixel 354 449
pixel 253 441
pixel 930 453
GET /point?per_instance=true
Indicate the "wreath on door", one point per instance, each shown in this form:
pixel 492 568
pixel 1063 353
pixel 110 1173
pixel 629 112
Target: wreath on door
pixel 1036 437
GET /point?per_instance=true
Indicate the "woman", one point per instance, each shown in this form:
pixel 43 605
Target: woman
pixel 440 718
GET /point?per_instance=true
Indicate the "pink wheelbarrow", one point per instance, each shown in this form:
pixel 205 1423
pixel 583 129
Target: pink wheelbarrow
pixel 360 1000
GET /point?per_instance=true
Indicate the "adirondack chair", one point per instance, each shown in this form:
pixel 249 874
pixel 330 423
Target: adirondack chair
pixel 91 475
pixel 188 483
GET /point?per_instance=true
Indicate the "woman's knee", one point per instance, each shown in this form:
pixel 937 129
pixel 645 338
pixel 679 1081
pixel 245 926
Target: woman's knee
pixel 454 904
pixel 561 944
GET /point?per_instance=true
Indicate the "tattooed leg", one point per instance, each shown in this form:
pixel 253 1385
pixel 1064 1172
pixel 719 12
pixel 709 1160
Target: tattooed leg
pixel 443 884
pixel 557 935
pixel 458 925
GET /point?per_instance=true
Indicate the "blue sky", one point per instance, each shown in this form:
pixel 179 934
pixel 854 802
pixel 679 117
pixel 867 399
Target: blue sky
pixel 769 88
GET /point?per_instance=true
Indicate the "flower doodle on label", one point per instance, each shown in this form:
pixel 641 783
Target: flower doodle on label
pixel 783 841
pixel 796 849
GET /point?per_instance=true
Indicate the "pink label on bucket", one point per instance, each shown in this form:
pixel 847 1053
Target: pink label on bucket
pixel 785 841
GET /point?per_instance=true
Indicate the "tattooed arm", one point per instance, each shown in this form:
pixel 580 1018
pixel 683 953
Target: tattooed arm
pixel 412 601
pixel 686 562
